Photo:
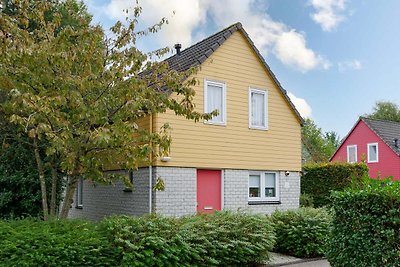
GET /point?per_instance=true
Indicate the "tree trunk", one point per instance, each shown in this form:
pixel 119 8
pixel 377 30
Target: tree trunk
pixel 41 179
pixel 53 199
pixel 69 195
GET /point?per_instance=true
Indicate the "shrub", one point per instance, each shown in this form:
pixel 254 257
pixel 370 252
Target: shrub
pixel 55 243
pixel 319 180
pixel 306 201
pixel 303 232
pixel 223 239
pixel 366 226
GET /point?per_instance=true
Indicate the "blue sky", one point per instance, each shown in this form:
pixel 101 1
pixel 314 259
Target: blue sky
pixel 336 58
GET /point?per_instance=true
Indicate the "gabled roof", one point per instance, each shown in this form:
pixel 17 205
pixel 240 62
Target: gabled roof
pixel 387 131
pixel 198 53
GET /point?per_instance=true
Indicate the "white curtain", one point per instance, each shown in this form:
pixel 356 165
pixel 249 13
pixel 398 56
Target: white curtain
pixel 270 180
pixel 214 101
pixel 257 109
pixel 352 154
pixel 372 153
pixel 254 186
pixel 254 181
pixel 270 185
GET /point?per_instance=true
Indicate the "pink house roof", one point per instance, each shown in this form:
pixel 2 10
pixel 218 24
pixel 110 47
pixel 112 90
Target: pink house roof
pixel 388 131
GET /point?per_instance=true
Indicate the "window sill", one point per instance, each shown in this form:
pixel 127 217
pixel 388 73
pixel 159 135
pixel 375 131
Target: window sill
pixel 215 123
pixel 79 207
pixel 127 190
pixel 263 202
pixel 258 128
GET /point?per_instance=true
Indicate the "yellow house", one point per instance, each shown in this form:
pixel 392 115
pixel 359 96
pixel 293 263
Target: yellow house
pixel 247 157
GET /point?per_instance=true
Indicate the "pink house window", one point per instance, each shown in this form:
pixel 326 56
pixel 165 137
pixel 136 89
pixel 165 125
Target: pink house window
pixel 352 153
pixel 372 152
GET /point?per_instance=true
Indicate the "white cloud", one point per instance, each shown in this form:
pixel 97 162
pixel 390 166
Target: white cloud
pixel 328 13
pixel 291 49
pixel 183 17
pixel 349 65
pixel 301 105
pixel 270 36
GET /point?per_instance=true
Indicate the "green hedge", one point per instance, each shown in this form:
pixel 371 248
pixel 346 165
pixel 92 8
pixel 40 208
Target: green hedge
pixel 303 232
pixel 319 180
pixel 31 242
pixel 222 239
pixel 366 226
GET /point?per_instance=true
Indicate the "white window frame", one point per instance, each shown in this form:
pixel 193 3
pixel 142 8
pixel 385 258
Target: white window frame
pixel 377 152
pixel 265 93
pixel 262 187
pixel 348 154
pixel 223 112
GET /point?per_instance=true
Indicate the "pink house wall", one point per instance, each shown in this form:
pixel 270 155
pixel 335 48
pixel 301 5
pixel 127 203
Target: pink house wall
pixel 388 161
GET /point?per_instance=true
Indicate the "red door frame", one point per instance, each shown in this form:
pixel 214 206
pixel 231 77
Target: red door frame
pixel 209 194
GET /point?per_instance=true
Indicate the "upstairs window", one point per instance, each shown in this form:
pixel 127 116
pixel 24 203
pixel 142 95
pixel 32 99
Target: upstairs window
pixel 215 99
pixel 258 113
pixel 352 153
pixel 372 152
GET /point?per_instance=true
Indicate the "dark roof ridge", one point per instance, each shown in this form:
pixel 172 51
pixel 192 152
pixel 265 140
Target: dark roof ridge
pixel 213 48
pixel 382 120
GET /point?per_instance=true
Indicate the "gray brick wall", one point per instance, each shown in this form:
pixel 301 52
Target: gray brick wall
pixel 104 200
pixel 179 196
pixel 236 192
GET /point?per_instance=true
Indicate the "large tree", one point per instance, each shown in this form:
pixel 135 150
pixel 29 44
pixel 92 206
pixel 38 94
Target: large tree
pixel 317 146
pixel 85 93
pixel 385 110
pixel 20 188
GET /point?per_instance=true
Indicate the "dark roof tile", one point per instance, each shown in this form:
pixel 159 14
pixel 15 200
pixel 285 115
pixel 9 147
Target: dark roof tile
pixel 386 130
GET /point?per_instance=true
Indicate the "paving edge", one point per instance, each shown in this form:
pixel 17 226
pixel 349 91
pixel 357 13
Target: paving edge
pixel 290 263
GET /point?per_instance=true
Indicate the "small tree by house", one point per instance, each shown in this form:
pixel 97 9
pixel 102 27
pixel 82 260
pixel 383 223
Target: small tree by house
pixel 84 92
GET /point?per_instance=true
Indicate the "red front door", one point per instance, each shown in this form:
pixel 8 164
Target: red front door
pixel 208 191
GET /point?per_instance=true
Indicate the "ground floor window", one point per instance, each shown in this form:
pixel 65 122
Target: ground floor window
pixel 263 186
pixel 79 194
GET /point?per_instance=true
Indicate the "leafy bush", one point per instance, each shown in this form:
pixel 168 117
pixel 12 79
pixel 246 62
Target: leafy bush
pixel 223 238
pixel 319 180
pixel 306 201
pixel 55 243
pixel 303 232
pixel 366 225
pixel 20 194
pixel 19 183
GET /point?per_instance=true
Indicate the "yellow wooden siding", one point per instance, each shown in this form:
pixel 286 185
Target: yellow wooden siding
pixel 235 145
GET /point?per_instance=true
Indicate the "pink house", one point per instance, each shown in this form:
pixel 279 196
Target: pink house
pixel 377 143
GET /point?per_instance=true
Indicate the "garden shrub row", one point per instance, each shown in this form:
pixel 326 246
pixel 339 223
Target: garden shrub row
pixel 32 242
pixel 221 239
pixel 302 232
pixel 319 180
pixel 366 225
